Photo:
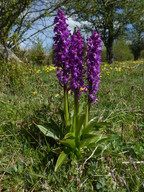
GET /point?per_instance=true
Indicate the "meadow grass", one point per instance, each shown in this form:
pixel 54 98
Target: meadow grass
pixel 27 159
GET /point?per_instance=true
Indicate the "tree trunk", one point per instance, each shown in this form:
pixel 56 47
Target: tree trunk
pixel 136 57
pixel 137 54
pixel 109 52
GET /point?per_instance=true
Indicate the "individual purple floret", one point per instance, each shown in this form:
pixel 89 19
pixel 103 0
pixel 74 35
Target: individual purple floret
pixel 76 62
pixel 94 49
pixel 61 47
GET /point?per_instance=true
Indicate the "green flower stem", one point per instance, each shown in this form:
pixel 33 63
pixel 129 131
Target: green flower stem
pixel 87 114
pixel 66 110
pixel 89 106
pixel 89 101
pixel 86 117
pixel 76 110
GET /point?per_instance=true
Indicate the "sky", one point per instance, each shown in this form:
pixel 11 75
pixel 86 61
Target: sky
pixel 48 39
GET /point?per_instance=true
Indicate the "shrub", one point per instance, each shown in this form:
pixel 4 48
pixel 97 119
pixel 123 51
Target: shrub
pixel 13 74
pixel 122 51
pixel 142 54
pixel 103 55
pixel 50 58
pixel 37 54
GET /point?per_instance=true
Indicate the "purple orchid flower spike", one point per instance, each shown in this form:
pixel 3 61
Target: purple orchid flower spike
pixel 61 45
pixel 76 62
pixel 94 48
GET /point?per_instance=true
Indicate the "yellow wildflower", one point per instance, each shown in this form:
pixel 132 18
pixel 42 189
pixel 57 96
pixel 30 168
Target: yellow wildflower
pixel 49 68
pixel 119 69
pixel 35 93
pixel 107 72
pixel 38 71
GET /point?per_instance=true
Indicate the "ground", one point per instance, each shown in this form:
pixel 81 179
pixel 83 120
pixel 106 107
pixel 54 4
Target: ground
pixel 32 94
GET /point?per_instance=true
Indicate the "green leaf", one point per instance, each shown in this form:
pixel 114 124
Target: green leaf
pixel 81 107
pixel 68 142
pixel 60 159
pixel 91 140
pixel 69 135
pixel 80 122
pixel 47 133
pixel 94 124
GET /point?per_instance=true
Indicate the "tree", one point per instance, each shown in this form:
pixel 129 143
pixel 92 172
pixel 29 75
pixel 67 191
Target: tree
pixel 9 14
pixel 107 17
pixel 18 17
pixel 136 37
pixel 121 51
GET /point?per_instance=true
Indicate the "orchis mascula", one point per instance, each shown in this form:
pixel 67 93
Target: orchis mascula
pixel 78 131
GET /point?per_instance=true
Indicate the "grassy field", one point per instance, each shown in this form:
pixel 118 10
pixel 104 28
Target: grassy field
pixel 31 94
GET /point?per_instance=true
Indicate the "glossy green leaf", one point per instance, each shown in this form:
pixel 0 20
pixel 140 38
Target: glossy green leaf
pixel 81 107
pixel 69 135
pixel 92 140
pixel 79 127
pixel 81 119
pixel 60 160
pixel 47 132
pixel 68 142
pixel 94 124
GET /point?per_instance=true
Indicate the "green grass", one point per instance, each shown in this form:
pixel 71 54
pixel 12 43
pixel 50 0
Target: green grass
pixel 26 158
